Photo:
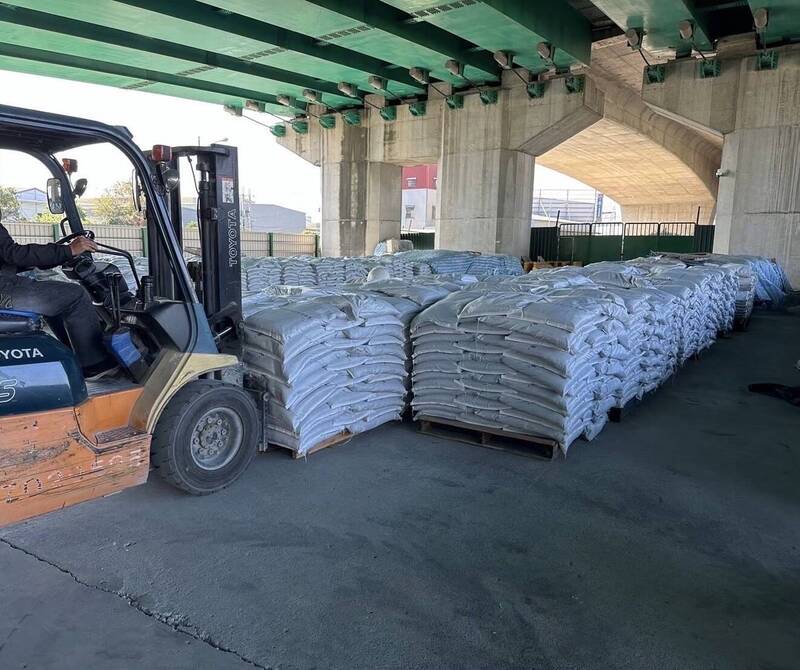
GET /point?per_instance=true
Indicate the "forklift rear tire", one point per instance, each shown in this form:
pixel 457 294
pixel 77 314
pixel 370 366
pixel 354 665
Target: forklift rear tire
pixel 206 437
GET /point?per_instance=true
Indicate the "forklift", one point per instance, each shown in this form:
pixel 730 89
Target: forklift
pixel 179 406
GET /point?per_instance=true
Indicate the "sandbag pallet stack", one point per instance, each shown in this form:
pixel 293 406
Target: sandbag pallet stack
pixel 534 364
pixel 331 366
pixel 333 362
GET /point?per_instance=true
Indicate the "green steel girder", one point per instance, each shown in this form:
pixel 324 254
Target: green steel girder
pixel 784 19
pixel 92 31
pixel 556 21
pixel 210 16
pixel 55 58
pixel 659 19
pixel 406 26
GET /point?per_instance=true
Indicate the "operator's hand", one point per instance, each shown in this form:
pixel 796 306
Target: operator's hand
pixel 81 245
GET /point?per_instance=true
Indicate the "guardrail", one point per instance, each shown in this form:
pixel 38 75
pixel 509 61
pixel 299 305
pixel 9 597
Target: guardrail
pixel 133 239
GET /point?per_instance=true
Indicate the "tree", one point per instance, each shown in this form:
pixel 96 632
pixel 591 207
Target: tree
pixel 9 205
pixel 115 206
pixel 49 217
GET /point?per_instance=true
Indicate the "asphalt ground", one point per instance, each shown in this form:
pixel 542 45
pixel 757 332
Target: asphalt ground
pixel 670 541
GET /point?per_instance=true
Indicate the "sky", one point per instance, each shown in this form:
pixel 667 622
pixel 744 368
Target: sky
pixel 273 174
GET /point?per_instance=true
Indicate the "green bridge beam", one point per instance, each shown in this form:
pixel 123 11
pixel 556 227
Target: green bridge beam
pixel 92 31
pixel 408 27
pixel 659 18
pixel 556 21
pixel 214 17
pixel 784 19
pixel 55 58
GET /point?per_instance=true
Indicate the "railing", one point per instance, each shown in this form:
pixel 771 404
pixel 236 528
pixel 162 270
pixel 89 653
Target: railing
pixel 421 240
pixel 592 242
pixel 133 239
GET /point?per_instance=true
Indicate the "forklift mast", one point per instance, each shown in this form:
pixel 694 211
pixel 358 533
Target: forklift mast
pixel 217 277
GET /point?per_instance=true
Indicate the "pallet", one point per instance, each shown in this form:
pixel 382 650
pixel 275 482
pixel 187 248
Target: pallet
pixel 616 414
pixel 531 446
pixel 740 325
pixel 341 438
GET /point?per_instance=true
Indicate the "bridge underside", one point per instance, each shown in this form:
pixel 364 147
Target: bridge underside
pixel 362 87
pixel 645 178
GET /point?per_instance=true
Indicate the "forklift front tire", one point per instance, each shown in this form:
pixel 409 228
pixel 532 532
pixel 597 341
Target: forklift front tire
pixel 206 437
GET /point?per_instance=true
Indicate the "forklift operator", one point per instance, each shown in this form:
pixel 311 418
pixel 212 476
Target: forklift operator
pixel 65 305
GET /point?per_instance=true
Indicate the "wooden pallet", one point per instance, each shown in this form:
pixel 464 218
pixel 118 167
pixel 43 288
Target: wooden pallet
pixel 341 438
pixel 616 414
pixel 530 446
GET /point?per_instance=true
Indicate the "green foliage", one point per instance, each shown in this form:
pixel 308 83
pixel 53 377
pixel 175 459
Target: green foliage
pixel 9 205
pixel 115 207
pixel 49 217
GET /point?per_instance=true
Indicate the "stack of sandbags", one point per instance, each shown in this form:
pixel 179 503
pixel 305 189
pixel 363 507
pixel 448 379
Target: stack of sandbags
pixel 546 362
pixel 297 271
pixel 442 261
pixel 328 271
pixel 259 273
pixel 494 264
pixel 772 284
pixel 330 364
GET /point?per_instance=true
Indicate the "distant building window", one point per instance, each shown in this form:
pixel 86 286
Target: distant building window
pixel 411 182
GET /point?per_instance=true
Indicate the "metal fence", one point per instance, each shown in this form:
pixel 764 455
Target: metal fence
pixel 133 239
pixel 593 242
pixel 421 240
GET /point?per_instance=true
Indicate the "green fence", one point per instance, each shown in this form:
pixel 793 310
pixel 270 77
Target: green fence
pixel 420 240
pixel 593 242
pixel 134 239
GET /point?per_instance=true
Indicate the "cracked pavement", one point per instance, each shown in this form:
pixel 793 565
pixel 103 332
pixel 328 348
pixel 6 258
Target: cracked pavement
pixel 670 541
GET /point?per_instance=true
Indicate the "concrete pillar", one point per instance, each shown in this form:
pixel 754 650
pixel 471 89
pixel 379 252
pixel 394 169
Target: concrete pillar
pixel 485 187
pixel 361 199
pixel 757 112
pixel 485 199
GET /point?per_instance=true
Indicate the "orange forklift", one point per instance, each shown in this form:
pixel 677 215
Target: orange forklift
pixel 179 405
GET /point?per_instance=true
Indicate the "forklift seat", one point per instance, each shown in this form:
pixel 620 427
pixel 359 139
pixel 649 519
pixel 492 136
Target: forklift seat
pixel 16 322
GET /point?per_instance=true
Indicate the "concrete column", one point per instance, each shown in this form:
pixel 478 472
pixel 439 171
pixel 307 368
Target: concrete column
pixel 485 199
pixel 485 188
pixel 757 112
pixel 384 203
pixel 361 199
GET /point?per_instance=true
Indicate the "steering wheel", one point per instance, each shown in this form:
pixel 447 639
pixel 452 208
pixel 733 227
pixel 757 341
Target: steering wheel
pixel 72 236
pixel 113 251
pixel 72 262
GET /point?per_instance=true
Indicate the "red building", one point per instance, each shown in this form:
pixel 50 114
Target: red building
pixel 419 197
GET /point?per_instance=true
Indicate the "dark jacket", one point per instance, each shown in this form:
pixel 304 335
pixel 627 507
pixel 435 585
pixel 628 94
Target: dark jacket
pixel 17 257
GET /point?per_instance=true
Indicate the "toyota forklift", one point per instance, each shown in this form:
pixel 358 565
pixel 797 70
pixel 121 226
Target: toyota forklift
pixel 179 405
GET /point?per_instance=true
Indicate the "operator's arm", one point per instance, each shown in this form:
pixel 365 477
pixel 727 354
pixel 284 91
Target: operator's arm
pixel 42 256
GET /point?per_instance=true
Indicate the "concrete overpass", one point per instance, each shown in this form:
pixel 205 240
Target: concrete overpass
pixel 485 88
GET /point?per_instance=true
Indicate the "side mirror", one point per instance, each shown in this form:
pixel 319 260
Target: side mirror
pixel 80 187
pixel 55 201
pixel 136 191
